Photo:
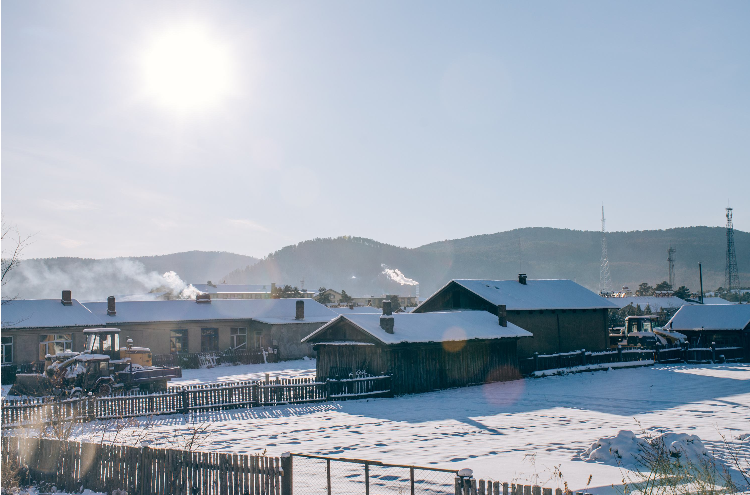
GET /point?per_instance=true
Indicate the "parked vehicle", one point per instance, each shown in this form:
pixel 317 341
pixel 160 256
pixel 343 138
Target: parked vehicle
pixel 103 367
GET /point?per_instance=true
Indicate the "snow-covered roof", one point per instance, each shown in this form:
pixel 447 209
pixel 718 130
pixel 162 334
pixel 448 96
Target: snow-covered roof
pixel 653 302
pixel 263 310
pixel 356 310
pixel 47 313
pixel 431 327
pixel 535 294
pixel 716 300
pixel 711 317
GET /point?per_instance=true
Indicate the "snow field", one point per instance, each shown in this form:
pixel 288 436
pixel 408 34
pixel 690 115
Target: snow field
pixel 525 431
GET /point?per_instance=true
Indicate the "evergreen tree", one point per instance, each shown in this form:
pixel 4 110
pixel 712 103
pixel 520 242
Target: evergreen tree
pixel 323 297
pixel 345 298
pixel 682 292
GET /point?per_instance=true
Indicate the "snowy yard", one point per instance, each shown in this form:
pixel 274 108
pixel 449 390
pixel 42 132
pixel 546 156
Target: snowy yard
pixel 515 431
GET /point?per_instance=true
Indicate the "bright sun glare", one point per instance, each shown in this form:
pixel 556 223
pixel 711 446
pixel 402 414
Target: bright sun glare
pixel 187 69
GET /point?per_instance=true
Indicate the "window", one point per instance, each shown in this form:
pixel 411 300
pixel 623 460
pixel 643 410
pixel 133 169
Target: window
pixel 7 349
pixel 209 339
pixel 257 341
pixel 54 344
pixel 238 338
pixel 178 341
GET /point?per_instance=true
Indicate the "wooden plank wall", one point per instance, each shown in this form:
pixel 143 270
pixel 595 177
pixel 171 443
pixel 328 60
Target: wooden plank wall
pixel 142 471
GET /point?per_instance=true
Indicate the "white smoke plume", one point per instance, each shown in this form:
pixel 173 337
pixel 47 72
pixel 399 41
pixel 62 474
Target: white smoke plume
pixel 94 280
pixel 398 277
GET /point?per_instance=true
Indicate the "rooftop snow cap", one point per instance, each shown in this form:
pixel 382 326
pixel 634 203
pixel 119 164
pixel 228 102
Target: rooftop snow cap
pixel 67 298
pixel 387 311
pixel 203 298
pixel 111 306
pixel 502 315
pixel 522 278
pixel 299 310
pixel 386 322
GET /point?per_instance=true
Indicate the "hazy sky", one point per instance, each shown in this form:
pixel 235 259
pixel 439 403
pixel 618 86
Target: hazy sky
pixel 136 128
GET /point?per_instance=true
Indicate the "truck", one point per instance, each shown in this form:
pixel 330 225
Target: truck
pixel 102 368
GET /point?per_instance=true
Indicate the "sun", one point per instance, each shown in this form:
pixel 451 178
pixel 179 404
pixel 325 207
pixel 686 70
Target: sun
pixel 187 69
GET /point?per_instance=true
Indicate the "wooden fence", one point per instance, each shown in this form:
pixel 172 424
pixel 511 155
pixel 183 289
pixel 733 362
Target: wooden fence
pixel 183 400
pixel 140 470
pixel 542 362
pixel 471 486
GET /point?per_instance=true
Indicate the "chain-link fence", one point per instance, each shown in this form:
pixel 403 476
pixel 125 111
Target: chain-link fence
pixel 318 475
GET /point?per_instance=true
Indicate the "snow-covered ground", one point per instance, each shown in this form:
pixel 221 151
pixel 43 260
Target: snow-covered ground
pixel 521 431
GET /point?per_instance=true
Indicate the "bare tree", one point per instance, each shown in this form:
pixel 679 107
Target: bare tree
pixel 13 244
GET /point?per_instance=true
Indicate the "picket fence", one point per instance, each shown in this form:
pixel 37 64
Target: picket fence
pixel 70 466
pixel 471 486
pixel 183 400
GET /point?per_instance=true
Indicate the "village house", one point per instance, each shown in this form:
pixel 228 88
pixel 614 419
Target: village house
pixel 421 352
pixel 727 325
pixel 561 315
pixel 32 329
pixel 176 326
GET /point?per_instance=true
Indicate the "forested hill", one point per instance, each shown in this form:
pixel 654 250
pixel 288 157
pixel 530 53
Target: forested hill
pixel 358 265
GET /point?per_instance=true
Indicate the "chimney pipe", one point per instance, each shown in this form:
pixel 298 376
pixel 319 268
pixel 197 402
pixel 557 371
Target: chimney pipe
pixel 299 310
pixel 502 315
pixel 386 323
pixel 700 273
pixel 67 298
pixel 111 306
pixel 522 278
pixel 203 298
pixel 387 308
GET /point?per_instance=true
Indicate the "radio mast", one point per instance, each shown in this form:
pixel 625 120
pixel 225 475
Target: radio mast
pixel 731 276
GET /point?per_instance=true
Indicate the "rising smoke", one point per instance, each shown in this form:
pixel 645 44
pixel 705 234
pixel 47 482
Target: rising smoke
pixel 93 280
pixel 395 275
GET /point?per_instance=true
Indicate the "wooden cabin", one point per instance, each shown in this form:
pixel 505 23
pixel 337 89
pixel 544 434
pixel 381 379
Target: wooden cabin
pixel 422 352
pixel 562 315
pixel 726 325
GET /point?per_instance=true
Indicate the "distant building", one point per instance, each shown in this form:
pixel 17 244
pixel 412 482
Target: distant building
pixel 561 315
pixel 724 324
pixel 421 351
pixel 377 301
pixel 237 291
pixel 655 303
pixel 165 326
pixel 334 296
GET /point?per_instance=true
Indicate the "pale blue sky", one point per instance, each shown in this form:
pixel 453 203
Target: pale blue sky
pixel 406 122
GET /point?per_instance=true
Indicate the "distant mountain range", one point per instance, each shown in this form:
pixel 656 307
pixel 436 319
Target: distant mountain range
pixel 95 279
pixel 366 267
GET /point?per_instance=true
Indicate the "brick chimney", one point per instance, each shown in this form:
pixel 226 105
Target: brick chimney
pixel 502 315
pixel 522 278
pixel 111 306
pixel 387 308
pixel 203 298
pixel 67 298
pixel 299 313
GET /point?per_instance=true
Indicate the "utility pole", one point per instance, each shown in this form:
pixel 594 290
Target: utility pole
pixel 605 279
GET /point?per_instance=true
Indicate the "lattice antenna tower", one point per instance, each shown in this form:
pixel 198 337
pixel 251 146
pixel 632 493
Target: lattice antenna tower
pixel 731 276
pixel 670 260
pixel 605 279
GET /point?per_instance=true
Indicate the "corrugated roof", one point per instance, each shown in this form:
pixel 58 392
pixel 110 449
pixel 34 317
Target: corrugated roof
pixel 536 294
pixel 432 327
pixel 653 302
pixel 711 317
pixel 263 310
pixel 47 313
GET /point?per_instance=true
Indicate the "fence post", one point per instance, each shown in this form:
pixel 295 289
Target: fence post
pixel 713 352
pixel 536 361
pixel 463 481
pixel 583 357
pixel 287 474
pixel 185 402
pixel 619 353
pixel 367 478
pixel 328 475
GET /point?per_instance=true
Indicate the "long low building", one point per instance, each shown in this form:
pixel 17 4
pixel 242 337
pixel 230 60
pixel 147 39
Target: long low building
pixel 724 324
pixel 33 328
pixel 562 315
